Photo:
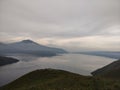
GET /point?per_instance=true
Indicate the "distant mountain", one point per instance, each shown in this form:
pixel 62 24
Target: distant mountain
pixel 110 54
pixel 112 70
pixel 7 60
pixel 29 47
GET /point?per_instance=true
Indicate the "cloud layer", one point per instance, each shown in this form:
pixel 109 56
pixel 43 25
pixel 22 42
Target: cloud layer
pixel 84 24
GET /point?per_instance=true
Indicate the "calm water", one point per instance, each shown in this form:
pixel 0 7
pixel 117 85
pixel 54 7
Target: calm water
pixel 77 63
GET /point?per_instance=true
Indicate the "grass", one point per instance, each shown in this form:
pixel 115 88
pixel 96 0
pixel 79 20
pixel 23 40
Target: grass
pixel 51 79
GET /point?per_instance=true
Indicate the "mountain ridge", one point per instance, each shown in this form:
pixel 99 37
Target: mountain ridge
pixel 30 47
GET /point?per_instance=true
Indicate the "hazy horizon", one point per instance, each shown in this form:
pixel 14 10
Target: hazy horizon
pixel 70 24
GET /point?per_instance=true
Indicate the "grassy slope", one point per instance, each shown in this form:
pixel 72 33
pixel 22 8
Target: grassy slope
pixel 110 71
pixel 50 79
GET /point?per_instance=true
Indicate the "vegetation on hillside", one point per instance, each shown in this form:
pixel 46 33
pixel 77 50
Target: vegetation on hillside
pixel 50 79
pixel 110 71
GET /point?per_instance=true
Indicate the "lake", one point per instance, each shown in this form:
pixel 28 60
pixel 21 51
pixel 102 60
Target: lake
pixel 77 63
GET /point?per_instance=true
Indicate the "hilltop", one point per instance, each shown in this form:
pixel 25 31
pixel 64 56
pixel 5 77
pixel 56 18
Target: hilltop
pixel 51 79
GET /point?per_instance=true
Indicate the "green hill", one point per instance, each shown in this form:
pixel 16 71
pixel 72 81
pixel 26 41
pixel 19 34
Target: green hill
pixel 110 71
pixel 50 79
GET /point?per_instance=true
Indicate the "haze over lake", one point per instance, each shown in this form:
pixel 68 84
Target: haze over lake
pixel 77 63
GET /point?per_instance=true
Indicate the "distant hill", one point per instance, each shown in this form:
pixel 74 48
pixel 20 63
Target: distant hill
pixel 29 47
pixel 110 54
pixel 50 79
pixel 7 60
pixel 110 71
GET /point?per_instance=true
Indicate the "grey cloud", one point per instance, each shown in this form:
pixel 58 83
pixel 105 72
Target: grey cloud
pixel 58 18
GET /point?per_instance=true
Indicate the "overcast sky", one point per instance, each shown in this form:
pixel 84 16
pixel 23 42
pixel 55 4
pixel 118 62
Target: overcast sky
pixel 71 24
